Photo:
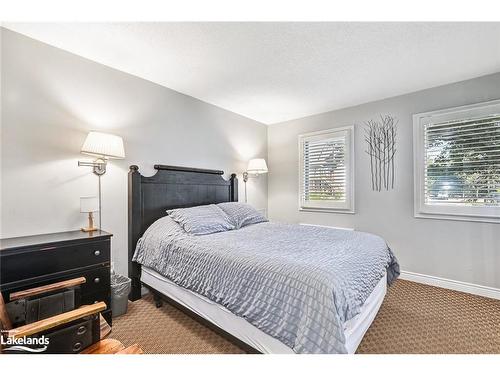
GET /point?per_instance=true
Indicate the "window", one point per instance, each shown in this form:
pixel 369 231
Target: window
pixel 457 163
pixel 327 170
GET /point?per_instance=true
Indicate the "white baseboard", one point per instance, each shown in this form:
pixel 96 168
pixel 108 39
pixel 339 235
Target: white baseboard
pixel 460 286
pixel 325 226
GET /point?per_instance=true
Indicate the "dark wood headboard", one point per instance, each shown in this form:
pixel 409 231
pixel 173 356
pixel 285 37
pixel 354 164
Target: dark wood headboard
pixel 170 187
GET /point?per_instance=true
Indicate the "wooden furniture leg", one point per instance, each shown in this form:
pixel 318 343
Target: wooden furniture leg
pixel 158 300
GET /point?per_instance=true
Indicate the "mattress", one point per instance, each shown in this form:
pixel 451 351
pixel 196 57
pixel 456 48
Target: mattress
pixel 354 329
pixel 298 284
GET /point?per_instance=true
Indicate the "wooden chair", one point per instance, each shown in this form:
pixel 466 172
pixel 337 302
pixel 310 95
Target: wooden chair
pixel 69 332
pixel 81 330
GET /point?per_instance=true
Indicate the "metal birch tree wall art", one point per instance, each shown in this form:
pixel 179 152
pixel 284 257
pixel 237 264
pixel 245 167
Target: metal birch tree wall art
pixel 381 139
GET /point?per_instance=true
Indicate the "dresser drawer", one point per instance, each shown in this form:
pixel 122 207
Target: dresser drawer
pixel 97 296
pixel 43 261
pixel 98 279
pixel 74 337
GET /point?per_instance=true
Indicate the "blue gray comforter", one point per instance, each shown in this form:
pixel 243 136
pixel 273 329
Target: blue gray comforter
pixel 296 283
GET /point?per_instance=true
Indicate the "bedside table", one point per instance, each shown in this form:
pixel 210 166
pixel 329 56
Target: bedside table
pixel 32 261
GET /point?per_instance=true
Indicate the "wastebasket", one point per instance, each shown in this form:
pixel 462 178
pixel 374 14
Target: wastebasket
pixel 120 288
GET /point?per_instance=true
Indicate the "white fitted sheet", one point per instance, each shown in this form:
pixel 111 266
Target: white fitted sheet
pixel 217 314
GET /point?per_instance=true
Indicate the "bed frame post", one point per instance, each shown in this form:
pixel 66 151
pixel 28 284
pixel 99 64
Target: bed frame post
pixel 134 229
pixel 234 188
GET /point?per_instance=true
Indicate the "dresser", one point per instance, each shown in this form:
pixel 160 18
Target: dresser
pixel 32 261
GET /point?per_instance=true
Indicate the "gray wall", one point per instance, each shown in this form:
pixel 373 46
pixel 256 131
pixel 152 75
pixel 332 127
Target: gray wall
pixel 464 251
pixel 51 99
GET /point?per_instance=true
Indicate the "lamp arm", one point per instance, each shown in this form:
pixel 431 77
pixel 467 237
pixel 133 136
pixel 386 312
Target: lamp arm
pixel 86 163
pixel 99 165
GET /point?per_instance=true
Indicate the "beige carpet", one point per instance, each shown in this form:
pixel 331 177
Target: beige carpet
pixel 414 318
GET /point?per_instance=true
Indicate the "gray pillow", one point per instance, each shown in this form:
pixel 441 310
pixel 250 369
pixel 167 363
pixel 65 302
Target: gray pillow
pixel 242 214
pixel 201 219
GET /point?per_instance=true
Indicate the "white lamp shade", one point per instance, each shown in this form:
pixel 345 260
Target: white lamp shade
pixel 89 204
pixel 104 145
pixel 257 166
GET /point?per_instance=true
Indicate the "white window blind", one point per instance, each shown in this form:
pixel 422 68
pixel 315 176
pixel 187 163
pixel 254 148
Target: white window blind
pixel 325 170
pixel 463 162
pixel 460 156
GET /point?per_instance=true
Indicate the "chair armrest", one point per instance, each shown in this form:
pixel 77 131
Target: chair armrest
pixel 54 321
pixel 132 349
pixel 47 288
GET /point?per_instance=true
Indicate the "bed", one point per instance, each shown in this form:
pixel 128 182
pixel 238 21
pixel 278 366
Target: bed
pixel 269 287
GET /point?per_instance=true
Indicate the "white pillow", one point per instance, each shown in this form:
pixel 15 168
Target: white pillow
pixel 201 220
pixel 241 214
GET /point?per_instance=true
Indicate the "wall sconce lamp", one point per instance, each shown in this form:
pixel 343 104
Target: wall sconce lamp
pixel 103 146
pixel 255 168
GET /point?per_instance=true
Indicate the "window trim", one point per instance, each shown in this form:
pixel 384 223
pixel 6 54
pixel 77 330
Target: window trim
pixel 461 213
pixel 348 207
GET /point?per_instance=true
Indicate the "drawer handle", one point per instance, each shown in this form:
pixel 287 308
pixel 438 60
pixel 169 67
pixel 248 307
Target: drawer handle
pixel 97 253
pixel 77 346
pixel 81 330
pixel 97 280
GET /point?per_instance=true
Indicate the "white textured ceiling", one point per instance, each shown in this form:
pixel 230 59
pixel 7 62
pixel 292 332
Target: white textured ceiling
pixel 272 72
